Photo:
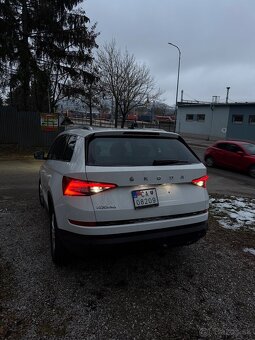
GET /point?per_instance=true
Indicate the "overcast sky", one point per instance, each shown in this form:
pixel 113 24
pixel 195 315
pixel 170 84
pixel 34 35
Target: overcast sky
pixel 216 39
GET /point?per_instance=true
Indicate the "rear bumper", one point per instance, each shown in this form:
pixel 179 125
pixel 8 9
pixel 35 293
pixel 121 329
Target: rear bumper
pixel 173 236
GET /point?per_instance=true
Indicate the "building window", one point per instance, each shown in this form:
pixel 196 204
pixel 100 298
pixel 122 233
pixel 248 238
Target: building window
pixel 201 118
pixel 189 117
pixel 237 119
pixel 252 119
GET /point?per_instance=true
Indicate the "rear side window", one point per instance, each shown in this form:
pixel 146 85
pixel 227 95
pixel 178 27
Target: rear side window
pixel 137 151
pixel 62 149
pixel 69 148
pixel 57 149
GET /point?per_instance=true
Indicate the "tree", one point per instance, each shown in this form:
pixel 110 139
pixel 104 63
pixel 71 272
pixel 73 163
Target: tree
pixel 43 44
pixel 130 83
pixel 91 91
pixel 87 89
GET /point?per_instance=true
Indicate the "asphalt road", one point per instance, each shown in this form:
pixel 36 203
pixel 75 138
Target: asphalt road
pixel 202 291
pixel 227 182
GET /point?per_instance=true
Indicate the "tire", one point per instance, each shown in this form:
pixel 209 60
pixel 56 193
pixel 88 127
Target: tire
pixel 252 171
pixel 209 161
pixel 57 249
pixel 40 193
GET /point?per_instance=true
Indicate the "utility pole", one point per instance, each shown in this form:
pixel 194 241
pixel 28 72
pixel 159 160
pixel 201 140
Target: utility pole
pixel 228 87
pixel 177 85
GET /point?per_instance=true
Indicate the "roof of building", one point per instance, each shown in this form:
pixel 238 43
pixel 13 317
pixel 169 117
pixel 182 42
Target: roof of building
pixel 189 104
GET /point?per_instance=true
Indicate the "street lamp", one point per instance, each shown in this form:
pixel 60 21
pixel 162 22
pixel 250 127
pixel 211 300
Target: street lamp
pixel 177 86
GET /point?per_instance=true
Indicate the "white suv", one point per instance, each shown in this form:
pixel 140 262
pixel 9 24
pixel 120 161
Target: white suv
pixel 113 186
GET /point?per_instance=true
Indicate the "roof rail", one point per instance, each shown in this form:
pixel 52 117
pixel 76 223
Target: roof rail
pixel 81 126
pixel 87 127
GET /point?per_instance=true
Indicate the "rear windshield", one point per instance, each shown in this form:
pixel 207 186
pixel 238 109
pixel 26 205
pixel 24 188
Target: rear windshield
pixel 135 151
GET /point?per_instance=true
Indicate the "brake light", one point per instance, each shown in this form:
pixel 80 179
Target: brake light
pixel 201 181
pixel 77 187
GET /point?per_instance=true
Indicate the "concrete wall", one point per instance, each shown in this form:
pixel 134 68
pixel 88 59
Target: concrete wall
pixel 213 127
pixel 243 130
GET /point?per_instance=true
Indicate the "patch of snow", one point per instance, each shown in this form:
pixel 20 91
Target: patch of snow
pixel 249 250
pixel 243 216
pixel 225 224
pixel 240 204
pixel 234 212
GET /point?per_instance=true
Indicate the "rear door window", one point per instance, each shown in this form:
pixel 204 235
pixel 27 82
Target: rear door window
pixel 57 149
pixel 234 148
pixel 137 151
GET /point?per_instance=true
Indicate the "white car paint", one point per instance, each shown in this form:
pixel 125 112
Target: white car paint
pixel 181 203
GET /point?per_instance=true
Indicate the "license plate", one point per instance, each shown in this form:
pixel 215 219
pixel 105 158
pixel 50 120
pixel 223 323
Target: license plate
pixel 145 198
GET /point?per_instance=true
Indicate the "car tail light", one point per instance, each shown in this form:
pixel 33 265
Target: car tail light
pixel 77 187
pixel 201 181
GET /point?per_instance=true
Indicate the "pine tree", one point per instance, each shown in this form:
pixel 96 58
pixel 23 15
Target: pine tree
pixel 43 44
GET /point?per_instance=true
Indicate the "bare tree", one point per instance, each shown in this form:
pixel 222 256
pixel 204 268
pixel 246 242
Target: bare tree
pixel 87 88
pixel 129 83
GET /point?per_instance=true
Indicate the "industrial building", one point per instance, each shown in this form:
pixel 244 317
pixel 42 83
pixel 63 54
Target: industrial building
pixel 215 120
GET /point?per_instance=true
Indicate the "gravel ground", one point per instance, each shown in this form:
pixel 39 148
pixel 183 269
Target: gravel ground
pixel 202 291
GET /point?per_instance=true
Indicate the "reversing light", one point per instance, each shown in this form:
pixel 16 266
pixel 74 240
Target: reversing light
pixel 77 187
pixel 201 181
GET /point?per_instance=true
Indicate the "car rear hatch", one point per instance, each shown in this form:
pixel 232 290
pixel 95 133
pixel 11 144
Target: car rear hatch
pixel 149 175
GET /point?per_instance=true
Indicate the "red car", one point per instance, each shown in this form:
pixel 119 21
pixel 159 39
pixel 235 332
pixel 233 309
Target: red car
pixel 236 155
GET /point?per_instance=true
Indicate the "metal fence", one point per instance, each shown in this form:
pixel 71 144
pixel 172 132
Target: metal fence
pixel 24 128
pixel 168 126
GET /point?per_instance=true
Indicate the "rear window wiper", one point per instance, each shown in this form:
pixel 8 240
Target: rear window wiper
pixel 168 162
